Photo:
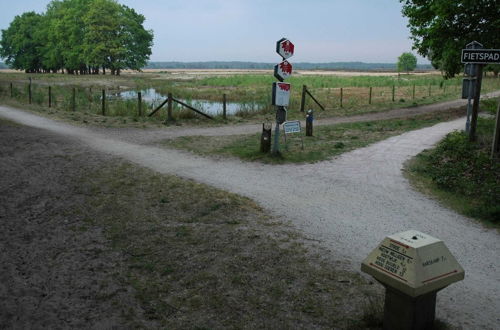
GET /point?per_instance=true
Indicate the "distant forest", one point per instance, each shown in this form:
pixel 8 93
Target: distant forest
pixel 355 66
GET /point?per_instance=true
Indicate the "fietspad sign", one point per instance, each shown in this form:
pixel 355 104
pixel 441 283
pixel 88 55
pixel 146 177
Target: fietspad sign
pixel 481 56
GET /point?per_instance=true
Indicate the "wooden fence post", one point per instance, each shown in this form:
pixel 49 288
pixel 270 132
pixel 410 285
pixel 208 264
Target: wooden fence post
pixel 73 100
pixel 341 97
pixel 303 98
pixel 50 96
pixel 29 92
pixel 169 107
pixel 393 92
pixel 139 103
pixel 11 91
pixel 370 97
pixel 224 106
pixel 413 95
pixel 103 102
pixel 90 98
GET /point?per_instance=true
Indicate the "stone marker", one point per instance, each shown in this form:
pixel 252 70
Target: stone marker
pixel 413 267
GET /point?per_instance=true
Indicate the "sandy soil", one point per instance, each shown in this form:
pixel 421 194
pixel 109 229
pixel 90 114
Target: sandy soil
pixel 52 273
pixel 349 203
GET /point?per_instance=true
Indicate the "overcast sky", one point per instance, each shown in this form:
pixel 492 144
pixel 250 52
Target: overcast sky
pixel 247 30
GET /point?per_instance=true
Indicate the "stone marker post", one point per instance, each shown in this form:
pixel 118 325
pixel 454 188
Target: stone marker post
pixel 413 267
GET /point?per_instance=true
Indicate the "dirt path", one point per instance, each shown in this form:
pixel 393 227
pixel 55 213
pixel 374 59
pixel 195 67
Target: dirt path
pixel 56 270
pixel 349 203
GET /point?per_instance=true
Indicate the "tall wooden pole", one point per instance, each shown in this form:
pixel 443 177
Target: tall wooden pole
pixel 495 147
pixel 475 106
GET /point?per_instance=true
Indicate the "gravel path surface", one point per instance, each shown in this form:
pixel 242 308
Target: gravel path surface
pixel 349 203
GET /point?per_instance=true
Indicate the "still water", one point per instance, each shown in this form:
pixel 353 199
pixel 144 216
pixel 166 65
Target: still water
pixel 154 98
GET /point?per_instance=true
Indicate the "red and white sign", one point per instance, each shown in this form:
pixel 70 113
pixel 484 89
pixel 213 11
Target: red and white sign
pixel 282 70
pixel 285 48
pixel 281 94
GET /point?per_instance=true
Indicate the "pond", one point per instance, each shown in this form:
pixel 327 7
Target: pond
pixel 154 98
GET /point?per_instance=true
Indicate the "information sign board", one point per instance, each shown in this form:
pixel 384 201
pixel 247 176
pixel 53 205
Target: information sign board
pixel 281 94
pixel 413 263
pixel 292 126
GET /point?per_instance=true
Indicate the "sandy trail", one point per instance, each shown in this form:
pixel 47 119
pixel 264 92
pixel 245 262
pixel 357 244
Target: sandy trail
pixel 349 203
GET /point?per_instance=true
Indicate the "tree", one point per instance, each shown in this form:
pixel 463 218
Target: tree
pixel 21 43
pixel 407 62
pixel 79 36
pixel 440 29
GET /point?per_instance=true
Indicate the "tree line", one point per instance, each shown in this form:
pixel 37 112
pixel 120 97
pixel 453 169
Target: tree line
pixel 77 37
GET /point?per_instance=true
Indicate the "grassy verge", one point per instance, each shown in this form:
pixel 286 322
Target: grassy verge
pixel 201 258
pixel 328 141
pixel 461 174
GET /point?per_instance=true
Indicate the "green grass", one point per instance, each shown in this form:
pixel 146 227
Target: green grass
pixel 327 142
pixel 247 89
pixel 461 173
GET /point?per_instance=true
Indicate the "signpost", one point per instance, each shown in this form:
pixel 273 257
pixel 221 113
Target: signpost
pixel 281 90
pixel 475 57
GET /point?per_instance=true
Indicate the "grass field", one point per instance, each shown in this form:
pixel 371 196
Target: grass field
pixel 340 95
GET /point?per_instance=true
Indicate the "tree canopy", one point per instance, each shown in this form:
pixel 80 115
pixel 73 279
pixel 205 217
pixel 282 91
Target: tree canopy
pixel 79 36
pixel 440 29
pixel 407 62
